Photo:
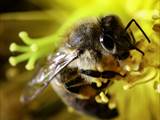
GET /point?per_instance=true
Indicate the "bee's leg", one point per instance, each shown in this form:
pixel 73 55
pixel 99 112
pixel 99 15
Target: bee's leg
pixel 110 74
pixel 92 73
pixel 129 24
pixel 97 74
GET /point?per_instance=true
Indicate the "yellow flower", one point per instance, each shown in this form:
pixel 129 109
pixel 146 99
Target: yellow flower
pixel 143 12
pixel 140 102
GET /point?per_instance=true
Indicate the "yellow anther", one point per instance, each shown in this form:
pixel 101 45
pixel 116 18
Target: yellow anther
pixel 12 61
pixel 29 66
pixel 22 34
pixel 13 47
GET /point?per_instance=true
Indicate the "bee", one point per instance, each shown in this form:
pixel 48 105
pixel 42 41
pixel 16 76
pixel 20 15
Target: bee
pixel 82 71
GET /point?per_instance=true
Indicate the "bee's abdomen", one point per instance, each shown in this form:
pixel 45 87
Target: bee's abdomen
pixel 91 107
pixel 97 74
pixel 78 86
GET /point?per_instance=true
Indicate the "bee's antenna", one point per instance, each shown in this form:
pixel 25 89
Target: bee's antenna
pixel 138 50
pixel 129 24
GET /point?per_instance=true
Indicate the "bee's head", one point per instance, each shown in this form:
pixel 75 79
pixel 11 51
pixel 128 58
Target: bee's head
pixel 114 39
pixel 84 36
pixel 107 36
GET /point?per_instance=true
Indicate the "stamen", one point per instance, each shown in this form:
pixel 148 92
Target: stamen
pixel 33 50
pixel 16 48
pixel 154 73
pixel 25 38
pixel 34 47
pixel 30 64
pixel 12 61
pixel 15 60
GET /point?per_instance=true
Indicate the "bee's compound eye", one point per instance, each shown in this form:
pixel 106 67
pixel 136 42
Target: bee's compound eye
pixel 108 43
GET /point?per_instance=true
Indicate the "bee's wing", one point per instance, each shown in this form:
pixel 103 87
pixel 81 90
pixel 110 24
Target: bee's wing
pixel 46 75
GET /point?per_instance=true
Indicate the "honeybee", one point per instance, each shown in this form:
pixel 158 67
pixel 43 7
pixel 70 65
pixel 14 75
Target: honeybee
pixel 82 71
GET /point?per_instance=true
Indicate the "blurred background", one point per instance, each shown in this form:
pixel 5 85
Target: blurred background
pixel 34 17
pixel 41 18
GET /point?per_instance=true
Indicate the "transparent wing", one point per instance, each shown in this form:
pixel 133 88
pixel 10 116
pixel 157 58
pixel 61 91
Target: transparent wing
pixel 46 75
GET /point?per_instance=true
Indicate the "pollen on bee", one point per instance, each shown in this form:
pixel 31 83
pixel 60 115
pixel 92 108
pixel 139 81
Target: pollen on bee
pixel 101 98
pixel 112 105
pixel 99 68
pixel 97 81
pixel 105 80
pixel 98 99
pixel 104 97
